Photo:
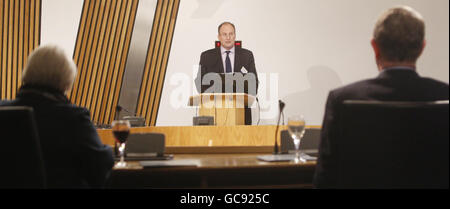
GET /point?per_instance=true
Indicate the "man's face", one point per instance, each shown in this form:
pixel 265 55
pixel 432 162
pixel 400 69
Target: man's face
pixel 227 36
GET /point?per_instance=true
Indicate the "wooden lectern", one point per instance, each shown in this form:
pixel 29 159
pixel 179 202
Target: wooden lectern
pixel 226 108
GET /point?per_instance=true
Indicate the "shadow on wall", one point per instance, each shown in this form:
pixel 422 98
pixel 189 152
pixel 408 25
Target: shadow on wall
pixel 206 8
pixel 311 102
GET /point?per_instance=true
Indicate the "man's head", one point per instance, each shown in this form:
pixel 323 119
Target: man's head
pixel 399 36
pixel 49 66
pixel 227 35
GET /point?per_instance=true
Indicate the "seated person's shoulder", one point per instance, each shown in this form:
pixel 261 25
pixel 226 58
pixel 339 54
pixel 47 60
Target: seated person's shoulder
pixel 352 87
pixel 437 88
pixel 72 110
pixel 435 82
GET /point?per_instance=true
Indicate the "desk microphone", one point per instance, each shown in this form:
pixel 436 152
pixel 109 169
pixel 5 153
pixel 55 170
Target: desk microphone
pixel 135 121
pixel 120 108
pixel 281 106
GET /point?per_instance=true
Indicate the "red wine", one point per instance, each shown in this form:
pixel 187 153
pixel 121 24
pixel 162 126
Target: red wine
pixel 121 136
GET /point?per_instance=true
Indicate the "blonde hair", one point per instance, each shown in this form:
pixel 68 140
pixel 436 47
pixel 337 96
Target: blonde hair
pixel 49 66
pixel 400 34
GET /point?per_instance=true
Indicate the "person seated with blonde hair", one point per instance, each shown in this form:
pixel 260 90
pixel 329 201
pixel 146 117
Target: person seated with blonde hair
pixel 74 156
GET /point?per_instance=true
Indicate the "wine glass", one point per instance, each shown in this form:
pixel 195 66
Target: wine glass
pixel 296 128
pixel 121 130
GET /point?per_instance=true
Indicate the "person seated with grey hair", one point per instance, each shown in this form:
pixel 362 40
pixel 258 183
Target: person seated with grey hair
pixel 398 41
pixel 74 156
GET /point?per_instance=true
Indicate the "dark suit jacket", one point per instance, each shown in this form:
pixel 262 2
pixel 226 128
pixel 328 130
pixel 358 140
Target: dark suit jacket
pixel 390 85
pixel 74 156
pixel 211 62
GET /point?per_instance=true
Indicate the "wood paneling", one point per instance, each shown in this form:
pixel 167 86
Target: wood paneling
pixel 20 22
pixel 204 136
pixel 100 53
pixel 157 58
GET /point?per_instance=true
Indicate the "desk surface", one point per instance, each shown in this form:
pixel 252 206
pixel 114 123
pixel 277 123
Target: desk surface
pixel 217 171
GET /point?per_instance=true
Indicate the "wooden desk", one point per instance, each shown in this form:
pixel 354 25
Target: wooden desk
pixel 225 139
pixel 217 171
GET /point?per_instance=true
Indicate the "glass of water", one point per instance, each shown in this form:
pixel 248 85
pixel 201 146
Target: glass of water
pixel 296 128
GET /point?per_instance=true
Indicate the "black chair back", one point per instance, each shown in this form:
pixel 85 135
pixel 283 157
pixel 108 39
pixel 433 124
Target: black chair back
pixel 22 163
pixel 393 145
pixel 238 44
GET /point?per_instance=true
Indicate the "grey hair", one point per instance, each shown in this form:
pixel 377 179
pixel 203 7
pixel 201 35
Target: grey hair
pixel 49 66
pixel 400 34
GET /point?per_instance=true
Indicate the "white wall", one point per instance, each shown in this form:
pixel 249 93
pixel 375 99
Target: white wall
pixel 59 23
pixel 313 45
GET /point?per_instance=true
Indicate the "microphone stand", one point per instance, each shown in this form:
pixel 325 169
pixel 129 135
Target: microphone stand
pixel 118 110
pixel 132 116
pixel 275 149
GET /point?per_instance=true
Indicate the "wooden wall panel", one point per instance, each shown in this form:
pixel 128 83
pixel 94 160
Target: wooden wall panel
pixel 20 22
pixel 157 58
pixel 101 51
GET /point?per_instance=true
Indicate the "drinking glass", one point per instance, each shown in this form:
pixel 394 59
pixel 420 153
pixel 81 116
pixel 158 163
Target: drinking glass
pixel 296 128
pixel 121 130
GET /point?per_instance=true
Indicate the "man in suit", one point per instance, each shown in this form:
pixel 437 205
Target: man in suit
pixel 228 63
pixel 74 156
pixel 398 41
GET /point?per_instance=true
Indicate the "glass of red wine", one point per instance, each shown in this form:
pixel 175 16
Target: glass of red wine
pixel 121 130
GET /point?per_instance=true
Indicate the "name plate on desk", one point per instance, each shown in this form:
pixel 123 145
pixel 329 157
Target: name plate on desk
pixel 309 143
pixel 145 145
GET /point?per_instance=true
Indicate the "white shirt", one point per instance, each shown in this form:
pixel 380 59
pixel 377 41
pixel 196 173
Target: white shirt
pixel 223 52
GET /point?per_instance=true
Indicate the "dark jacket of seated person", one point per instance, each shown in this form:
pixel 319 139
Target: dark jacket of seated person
pixel 395 84
pixel 398 41
pixel 74 156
